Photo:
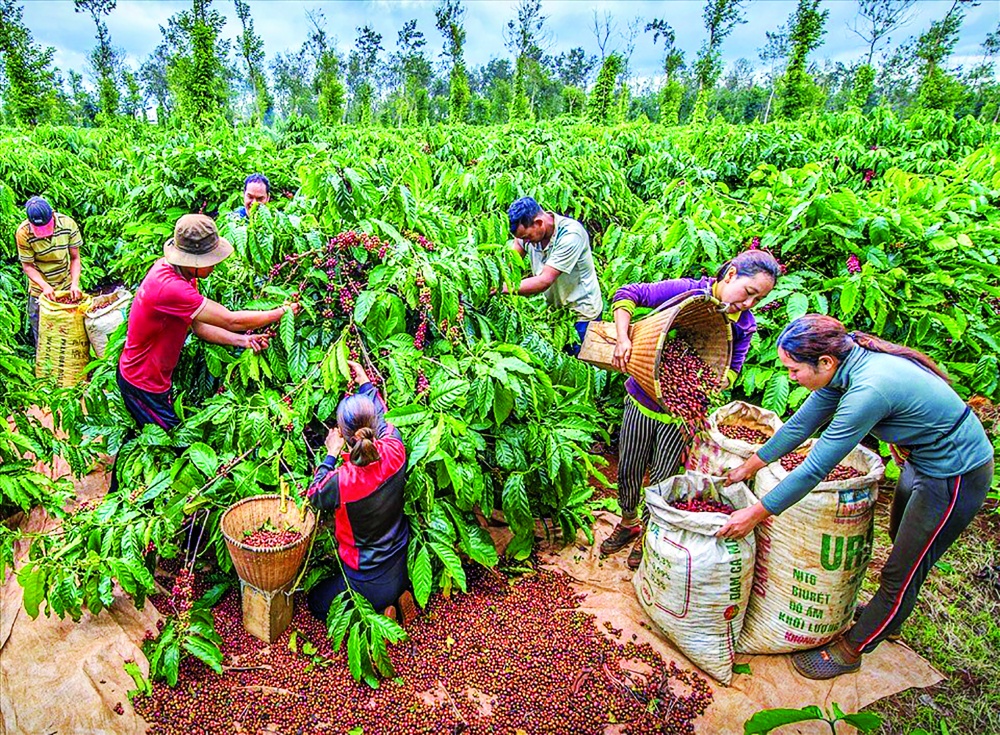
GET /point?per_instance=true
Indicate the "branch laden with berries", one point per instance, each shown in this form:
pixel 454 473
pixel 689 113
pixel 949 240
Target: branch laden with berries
pixel 488 424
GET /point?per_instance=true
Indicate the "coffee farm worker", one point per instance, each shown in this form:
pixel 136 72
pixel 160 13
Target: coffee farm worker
pixel 48 246
pixel 650 438
pixel 256 190
pixel 362 481
pixel 562 264
pixel 166 306
pixel 865 384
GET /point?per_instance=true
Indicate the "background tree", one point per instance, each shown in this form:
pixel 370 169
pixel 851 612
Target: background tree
pixel 251 49
pixel 990 94
pixel 30 93
pixel 773 53
pixel 673 61
pixel 603 28
pixel 495 84
pixel 600 106
pixel 131 102
pixel 720 16
pixel 196 69
pixel 294 77
pixel 572 70
pixel 83 108
pixel 412 73
pixel 797 92
pixel 623 96
pixel 362 71
pixel 156 88
pixel 938 90
pixel 327 85
pixel 523 38
pixel 449 16
pixel 876 19
pixel 103 57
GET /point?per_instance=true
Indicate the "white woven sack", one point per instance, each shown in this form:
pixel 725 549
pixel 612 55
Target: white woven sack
pixel 693 585
pixel 714 453
pixel 104 317
pixel 811 559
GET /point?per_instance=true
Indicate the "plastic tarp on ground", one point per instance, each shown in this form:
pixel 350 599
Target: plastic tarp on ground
pixel 609 595
pixel 67 678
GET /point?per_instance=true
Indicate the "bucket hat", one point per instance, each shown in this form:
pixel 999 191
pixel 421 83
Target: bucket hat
pixel 196 243
pixel 40 217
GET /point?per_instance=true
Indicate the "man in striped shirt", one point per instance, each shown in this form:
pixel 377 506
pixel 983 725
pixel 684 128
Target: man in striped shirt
pixel 48 246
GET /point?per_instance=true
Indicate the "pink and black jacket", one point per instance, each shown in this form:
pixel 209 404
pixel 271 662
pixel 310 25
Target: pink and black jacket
pixel 367 501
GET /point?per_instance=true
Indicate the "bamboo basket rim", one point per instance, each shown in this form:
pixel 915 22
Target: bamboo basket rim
pixel 304 534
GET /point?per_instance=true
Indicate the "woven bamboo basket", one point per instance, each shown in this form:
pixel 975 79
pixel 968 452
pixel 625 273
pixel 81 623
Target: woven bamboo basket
pixel 63 347
pixel 271 568
pixel 695 317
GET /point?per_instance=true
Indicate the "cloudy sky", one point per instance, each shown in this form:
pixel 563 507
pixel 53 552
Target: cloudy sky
pixel 134 26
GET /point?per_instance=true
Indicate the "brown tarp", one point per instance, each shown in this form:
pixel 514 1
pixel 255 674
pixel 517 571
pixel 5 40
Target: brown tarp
pixel 57 676
pixel 609 595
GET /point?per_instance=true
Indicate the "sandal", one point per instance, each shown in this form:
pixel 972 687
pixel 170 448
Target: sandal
pixel 621 537
pixel 407 608
pixel 826 662
pixel 635 555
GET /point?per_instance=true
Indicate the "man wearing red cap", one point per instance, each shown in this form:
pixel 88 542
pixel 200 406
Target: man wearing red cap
pixel 168 304
pixel 48 246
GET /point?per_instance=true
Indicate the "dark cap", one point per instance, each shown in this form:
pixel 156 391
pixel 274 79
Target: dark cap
pixel 39 211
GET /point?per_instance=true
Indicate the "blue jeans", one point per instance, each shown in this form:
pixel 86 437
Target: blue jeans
pixel 33 318
pixel 381 589
pixel 581 330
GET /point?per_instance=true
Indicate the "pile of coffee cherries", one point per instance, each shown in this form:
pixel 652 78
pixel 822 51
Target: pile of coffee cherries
pixel 687 383
pixel 702 505
pixel 744 433
pixel 513 655
pixel 840 472
pixel 264 538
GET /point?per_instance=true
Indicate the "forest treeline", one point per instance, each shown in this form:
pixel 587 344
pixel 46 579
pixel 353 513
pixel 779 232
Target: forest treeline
pixel 197 72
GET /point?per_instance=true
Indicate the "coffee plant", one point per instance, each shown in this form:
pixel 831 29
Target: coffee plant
pixel 394 242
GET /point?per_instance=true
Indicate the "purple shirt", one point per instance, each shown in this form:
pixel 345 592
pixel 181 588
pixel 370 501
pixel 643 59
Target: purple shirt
pixel 651 295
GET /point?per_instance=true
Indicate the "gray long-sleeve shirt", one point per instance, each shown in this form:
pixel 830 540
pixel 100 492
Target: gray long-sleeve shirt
pixel 893 398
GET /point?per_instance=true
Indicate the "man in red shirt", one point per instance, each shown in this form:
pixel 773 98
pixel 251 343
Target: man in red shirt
pixel 165 307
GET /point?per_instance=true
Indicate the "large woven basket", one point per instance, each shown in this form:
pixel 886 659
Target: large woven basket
pixel 697 319
pixel 63 347
pixel 271 568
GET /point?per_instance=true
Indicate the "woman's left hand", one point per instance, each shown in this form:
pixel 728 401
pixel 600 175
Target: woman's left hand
pixel 742 522
pixel 334 442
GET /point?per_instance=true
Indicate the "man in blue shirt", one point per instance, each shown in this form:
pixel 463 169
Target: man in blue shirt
pixel 256 190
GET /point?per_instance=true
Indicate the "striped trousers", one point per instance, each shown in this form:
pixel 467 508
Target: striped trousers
pixel 645 444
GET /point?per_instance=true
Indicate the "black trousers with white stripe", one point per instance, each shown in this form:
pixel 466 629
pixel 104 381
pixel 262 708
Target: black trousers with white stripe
pixel 645 443
pixel 927 516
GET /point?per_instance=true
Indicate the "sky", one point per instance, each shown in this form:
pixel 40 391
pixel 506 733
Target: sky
pixel 282 24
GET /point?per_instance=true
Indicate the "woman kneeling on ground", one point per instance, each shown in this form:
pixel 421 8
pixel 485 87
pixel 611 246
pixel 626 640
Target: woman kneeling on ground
pixel 366 495
pixel 650 438
pixel 864 384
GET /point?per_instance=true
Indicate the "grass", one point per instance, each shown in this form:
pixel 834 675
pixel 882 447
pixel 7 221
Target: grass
pixel 956 627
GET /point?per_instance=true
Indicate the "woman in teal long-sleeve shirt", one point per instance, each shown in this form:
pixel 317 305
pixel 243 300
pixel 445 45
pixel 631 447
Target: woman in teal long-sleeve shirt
pixel 862 384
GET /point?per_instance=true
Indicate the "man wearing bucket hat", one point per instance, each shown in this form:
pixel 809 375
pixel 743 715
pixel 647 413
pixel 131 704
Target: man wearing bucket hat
pixel 168 304
pixel 48 246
